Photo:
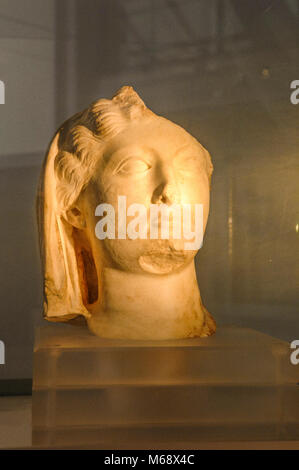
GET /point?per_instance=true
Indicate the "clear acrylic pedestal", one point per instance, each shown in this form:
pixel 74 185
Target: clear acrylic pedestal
pixel 236 385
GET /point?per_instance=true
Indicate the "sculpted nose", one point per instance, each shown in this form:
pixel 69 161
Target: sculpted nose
pixel 167 191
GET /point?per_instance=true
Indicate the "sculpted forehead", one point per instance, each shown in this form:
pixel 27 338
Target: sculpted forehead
pixel 157 133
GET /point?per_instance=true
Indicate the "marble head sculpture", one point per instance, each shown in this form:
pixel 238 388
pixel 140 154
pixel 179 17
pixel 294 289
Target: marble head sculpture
pixel 113 153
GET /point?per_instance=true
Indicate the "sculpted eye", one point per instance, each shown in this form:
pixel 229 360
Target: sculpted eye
pixel 132 166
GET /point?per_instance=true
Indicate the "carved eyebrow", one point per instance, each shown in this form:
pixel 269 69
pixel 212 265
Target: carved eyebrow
pixel 151 151
pixel 137 150
pixel 117 154
pixel 129 149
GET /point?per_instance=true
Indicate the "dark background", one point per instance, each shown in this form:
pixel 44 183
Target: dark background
pixel 220 68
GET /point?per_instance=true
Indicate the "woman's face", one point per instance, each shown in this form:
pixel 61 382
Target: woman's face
pixel 152 162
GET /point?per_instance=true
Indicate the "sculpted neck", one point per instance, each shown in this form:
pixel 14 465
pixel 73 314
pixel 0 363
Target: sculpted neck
pixel 145 306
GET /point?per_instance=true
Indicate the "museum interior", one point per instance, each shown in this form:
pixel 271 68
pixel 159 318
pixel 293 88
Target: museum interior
pixel 226 71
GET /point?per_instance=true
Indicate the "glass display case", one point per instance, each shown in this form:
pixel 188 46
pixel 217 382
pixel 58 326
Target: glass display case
pixel 228 72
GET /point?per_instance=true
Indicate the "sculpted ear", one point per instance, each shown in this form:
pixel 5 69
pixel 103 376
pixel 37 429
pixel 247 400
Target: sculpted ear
pixel 75 217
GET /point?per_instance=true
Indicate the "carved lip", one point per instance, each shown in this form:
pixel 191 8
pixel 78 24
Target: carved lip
pixel 159 223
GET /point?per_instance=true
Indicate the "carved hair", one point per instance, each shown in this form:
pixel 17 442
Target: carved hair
pixel 85 138
pixel 67 170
